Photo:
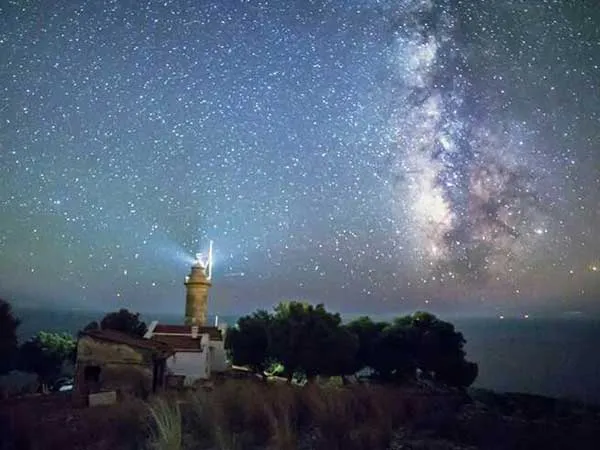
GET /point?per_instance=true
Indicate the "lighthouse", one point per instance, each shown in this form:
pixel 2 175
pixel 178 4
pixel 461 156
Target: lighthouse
pixel 197 284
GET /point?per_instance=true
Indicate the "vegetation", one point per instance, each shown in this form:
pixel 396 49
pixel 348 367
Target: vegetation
pixel 309 341
pixel 166 416
pixel 279 416
pixel 239 415
pixel 122 320
pixel 250 341
pixel 306 341
pixel 45 355
pixel 8 337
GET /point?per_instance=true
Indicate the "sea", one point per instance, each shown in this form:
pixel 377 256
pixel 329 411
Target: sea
pixel 551 357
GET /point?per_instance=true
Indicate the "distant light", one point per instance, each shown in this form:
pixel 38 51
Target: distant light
pixel 526 316
pixel 501 317
pixel 594 268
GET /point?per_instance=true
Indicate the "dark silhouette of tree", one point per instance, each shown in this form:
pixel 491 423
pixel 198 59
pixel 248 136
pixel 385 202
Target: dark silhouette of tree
pixel 248 342
pixel 307 339
pixel 458 373
pixel 393 353
pixel 439 351
pixel 419 341
pixel 367 333
pixel 8 337
pixel 340 360
pixel 123 321
pixel 45 354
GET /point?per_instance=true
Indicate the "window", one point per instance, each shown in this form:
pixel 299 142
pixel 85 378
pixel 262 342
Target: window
pixel 91 374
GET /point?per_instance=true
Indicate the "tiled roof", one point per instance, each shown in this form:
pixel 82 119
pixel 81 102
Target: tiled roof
pixel 178 343
pixel 160 348
pixel 173 329
pixel 213 332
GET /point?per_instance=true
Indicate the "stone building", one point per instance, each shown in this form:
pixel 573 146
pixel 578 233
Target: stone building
pixel 109 360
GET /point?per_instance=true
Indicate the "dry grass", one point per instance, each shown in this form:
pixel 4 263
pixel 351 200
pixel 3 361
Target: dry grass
pixel 247 414
pixel 251 415
pixel 235 415
pixel 55 422
pixel 167 430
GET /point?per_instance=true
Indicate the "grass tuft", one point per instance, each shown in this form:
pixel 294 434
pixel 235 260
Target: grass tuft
pixel 166 416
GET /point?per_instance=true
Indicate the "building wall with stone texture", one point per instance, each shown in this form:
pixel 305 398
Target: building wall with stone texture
pixel 120 367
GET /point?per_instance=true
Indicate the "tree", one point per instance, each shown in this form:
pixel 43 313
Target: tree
pixel 419 341
pixel 340 360
pixel 367 332
pixel 439 350
pixel 458 374
pixel 393 353
pixel 308 340
pixel 248 342
pixel 8 337
pixel 123 321
pixel 45 354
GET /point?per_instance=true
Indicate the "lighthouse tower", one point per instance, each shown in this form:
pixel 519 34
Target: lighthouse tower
pixel 197 284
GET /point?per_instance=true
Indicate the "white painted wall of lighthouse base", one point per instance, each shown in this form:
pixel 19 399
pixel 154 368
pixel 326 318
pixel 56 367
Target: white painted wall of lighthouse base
pixel 193 365
pixel 218 357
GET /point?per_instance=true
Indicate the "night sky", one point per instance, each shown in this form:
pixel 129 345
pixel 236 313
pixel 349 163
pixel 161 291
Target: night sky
pixel 375 156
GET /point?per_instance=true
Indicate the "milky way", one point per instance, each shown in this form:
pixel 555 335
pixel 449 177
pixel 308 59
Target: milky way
pixel 473 198
pixel 376 156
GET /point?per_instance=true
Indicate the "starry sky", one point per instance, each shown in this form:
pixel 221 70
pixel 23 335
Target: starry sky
pixel 377 156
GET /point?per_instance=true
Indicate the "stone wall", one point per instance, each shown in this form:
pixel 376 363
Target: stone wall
pixel 106 366
pixel 94 349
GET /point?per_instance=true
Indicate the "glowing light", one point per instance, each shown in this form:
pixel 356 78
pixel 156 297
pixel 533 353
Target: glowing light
pixel 210 260
pixel 206 260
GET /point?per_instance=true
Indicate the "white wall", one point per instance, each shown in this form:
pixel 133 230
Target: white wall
pixel 193 365
pixel 218 356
